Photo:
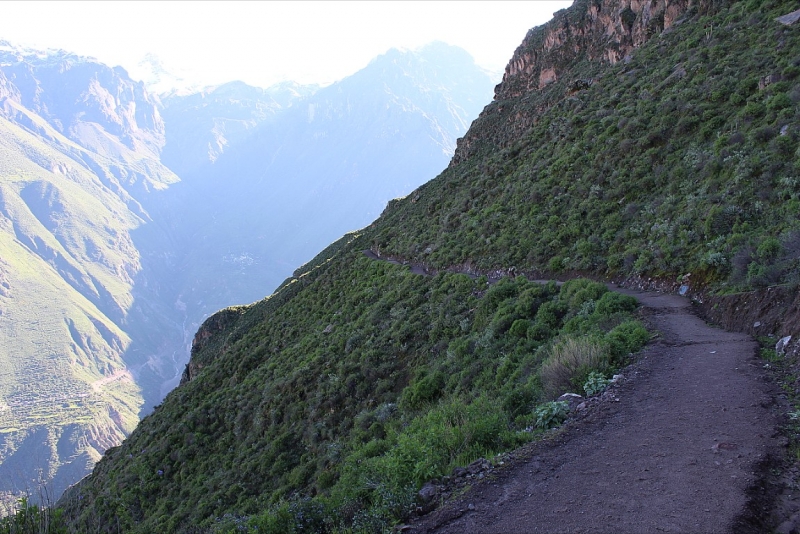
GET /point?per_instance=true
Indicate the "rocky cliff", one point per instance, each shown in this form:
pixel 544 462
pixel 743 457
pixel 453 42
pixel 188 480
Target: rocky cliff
pixel 590 30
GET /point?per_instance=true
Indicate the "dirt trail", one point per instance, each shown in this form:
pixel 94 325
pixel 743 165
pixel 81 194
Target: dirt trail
pixel 682 450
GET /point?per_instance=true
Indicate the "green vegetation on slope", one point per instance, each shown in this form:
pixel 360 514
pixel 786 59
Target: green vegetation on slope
pixel 66 267
pixel 684 159
pixel 365 383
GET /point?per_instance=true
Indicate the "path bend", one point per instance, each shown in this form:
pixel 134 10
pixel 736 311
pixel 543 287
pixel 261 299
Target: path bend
pixel 681 451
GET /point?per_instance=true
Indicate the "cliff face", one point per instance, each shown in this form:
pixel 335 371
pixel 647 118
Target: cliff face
pixel 591 30
pixel 216 325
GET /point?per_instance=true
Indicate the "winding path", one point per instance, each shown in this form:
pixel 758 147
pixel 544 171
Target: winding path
pixel 683 445
pixel 681 450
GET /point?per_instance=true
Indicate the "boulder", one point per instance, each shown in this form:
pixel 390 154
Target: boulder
pixel 428 493
pixel 780 346
pixel 478 466
pixel 572 399
pixel 789 18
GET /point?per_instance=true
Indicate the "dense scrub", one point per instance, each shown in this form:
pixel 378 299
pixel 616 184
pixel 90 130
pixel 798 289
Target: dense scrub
pixel 369 381
pixel 683 159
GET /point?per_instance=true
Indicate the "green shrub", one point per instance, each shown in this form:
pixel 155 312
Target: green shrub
pixel 625 339
pixel 595 383
pixel 550 414
pixel 556 264
pixel 519 401
pixel 612 302
pixel 427 388
pixel 577 292
pixel 778 102
pixel 769 249
pixel 520 328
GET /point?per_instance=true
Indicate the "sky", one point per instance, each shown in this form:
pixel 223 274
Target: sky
pixel 263 43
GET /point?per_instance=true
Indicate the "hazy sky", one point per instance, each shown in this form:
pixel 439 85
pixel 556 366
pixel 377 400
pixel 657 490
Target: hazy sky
pixel 262 43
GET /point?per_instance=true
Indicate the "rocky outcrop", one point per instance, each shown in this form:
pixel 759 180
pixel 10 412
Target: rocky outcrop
pixel 205 336
pixel 790 18
pixel 596 30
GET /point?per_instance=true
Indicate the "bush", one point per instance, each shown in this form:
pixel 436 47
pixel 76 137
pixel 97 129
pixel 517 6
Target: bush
pixel 425 389
pixel 520 328
pixel 577 292
pixel 550 414
pixel 595 383
pixel 569 364
pixel 612 302
pixel 625 339
pixel 769 249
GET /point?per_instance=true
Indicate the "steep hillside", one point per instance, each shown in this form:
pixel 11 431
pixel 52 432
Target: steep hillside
pixel 653 141
pixel 683 157
pixel 77 157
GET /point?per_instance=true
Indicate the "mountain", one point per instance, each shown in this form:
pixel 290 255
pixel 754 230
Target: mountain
pixel 654 143
pixel 110 261
pixel 80 149
pixel 283 171
pixel 160 79
pixel 204 124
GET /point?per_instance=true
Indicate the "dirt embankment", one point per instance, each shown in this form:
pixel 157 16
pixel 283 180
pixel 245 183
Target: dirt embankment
pixel 773 312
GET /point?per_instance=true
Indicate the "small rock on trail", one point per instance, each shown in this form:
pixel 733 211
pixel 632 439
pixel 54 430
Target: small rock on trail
pixel 683 450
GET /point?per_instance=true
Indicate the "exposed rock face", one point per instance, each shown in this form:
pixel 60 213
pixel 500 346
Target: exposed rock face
pixel 593 30
pixel 605 31
pixel 790 19
pixel 217 323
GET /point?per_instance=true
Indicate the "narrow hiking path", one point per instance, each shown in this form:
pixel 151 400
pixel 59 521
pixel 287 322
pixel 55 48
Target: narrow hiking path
pixel 682 445
pixel 680 451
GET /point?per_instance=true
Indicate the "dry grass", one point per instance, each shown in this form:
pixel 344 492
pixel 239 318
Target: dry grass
pixel 570 361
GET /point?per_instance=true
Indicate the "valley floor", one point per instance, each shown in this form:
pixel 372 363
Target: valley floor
pixel 682 444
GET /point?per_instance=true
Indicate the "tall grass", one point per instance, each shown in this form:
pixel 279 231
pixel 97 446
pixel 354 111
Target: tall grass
pixel 570 361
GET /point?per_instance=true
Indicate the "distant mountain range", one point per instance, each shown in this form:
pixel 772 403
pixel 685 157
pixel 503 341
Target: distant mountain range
pixel 125 220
